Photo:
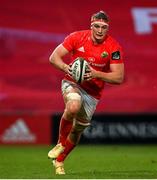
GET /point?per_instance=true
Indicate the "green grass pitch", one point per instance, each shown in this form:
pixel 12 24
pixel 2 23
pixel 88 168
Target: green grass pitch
pixel 85 162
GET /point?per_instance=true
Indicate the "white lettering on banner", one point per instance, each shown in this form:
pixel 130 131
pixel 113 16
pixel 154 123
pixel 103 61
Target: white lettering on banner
pixel 144 18
pixel 102 130
pixel 17 133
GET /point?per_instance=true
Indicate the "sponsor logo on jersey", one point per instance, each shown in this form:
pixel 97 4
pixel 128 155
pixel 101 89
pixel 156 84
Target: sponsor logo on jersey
pixel 91 59
pixel 97 65
pixel 104 54
pixel 115 55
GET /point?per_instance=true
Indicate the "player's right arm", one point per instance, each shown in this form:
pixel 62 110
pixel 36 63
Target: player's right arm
pixel 56 58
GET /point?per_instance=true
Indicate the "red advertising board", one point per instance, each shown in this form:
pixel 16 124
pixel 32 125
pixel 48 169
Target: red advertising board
pixel 25 129
pixel 28 82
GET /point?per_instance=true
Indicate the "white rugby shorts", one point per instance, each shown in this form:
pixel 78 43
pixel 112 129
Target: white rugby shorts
pixel 89 103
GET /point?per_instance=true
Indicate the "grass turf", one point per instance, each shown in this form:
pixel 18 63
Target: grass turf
pixel 85 162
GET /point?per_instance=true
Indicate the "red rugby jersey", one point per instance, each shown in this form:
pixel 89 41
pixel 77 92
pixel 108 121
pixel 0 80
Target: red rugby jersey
pixel 99 56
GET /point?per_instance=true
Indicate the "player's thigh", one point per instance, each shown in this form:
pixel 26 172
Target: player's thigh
pixel 69 90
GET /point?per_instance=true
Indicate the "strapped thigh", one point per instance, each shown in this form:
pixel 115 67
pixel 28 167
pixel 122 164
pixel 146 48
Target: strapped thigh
pixel 73 96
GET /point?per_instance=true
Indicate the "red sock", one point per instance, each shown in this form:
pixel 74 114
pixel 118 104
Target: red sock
pixel 64 130
pixel 69 146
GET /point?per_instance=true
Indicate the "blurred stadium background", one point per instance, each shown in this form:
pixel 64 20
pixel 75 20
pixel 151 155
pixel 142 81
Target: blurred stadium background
pixel 30 98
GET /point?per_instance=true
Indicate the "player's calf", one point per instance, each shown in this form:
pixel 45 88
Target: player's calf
pixel 77 130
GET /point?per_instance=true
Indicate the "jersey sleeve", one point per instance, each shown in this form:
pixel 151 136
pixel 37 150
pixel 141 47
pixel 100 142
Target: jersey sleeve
pixel 70 42
pixel 116 53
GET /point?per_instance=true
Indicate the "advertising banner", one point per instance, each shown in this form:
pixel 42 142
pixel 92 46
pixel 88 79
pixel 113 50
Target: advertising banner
pixel 121 128
pixel 107 128
pixel 25 129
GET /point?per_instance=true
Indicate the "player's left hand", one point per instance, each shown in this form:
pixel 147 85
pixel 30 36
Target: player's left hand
pixel 88 74
pixel 91 73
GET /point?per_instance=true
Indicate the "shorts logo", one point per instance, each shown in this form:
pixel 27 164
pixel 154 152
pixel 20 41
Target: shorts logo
pixel 115 55
pixel 104 54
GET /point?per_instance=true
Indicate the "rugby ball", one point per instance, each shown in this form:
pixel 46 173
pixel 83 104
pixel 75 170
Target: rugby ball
pixel 79 68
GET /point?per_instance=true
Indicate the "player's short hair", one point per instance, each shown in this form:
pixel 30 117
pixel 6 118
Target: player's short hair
pixel 101 15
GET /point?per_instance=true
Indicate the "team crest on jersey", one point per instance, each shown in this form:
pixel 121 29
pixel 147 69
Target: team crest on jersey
pixel 104 54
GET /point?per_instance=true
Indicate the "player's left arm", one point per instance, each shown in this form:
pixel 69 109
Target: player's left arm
pixel 116 74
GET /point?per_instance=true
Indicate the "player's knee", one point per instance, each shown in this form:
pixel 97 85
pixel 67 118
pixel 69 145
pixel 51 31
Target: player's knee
pixel 73 103
pixel 71 110
pixel 74 108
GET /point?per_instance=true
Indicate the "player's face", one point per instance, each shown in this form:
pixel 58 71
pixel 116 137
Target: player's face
pixel 99 32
